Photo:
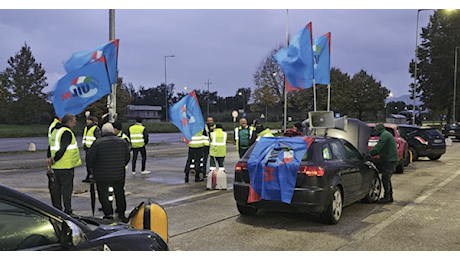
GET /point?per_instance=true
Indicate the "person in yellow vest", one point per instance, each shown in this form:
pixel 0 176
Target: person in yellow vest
pixel 118 131
pixel 53 125
pixel 218 148
pixel 63 157
pixel 90 134
pixel 208 128
pixel 139 139
pixel 195 157
pixel 260 131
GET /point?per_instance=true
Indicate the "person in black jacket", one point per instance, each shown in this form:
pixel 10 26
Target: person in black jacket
pixel 107 158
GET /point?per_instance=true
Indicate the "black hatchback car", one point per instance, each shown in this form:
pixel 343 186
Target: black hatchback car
pixel 332 174
pixel 423 142
pixel 451 131
pixel 29 224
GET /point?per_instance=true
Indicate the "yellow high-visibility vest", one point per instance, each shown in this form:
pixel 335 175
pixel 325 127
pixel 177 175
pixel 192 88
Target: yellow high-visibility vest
pixel 71 157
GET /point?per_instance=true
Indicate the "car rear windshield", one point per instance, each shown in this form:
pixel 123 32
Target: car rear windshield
pixel 453 127
pixel 306 157
pixel 427 133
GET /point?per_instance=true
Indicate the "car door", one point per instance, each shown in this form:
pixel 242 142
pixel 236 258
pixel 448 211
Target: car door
pixel 353 162
pixel 346 173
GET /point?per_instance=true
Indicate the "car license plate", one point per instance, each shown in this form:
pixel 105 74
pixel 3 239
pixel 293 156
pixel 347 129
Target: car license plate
pixel 452 137
pixel 452 131
pixel 437 141
pixel 372 142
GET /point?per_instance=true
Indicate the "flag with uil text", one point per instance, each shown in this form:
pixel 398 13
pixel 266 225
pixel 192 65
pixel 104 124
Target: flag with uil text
pixel 322 59
pixel 186 115
pixel 83 58
pixel 80 88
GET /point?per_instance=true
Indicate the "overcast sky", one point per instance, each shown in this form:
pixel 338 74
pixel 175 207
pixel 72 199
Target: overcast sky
pixel 223 46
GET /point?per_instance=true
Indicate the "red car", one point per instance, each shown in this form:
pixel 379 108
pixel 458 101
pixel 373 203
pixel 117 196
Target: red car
pixel 401 145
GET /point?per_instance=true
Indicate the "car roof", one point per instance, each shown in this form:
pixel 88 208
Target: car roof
pixel 409 126
pixel 384 124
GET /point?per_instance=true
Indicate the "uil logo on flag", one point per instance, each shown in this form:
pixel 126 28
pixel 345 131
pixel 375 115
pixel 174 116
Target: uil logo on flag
pixel 83 87
pixel 187 117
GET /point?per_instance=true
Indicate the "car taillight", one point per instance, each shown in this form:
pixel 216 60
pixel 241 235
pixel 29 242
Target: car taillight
pixel 241 166
pixel 443 128
pixel 397 145
pixel 421 140
pixel 311 170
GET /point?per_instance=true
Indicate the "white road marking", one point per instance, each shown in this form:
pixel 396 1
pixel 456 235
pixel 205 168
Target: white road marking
pixel 191 197
pixel 379 227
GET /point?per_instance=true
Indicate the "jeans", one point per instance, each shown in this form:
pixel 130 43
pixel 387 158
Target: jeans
pixel 387 171
pixel 144 157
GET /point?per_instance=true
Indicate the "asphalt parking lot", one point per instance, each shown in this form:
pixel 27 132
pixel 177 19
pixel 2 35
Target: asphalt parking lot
pixel 424 216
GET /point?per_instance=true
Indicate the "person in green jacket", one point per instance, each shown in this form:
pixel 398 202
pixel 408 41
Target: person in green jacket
pixel 386 149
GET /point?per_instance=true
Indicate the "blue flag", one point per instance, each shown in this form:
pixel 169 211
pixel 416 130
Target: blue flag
pixel 83 58
pixel 273 167
pixel 296 59
pixel 322 59
pixel 186 115
pixel 80 88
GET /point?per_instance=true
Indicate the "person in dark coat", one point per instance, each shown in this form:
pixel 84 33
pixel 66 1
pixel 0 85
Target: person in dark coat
pixel 107 158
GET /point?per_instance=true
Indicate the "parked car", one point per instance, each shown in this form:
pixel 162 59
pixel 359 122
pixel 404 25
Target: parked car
pixel 451 131
pixel 29 224
pixel 423 142
pixel 333 174
pixel 401 145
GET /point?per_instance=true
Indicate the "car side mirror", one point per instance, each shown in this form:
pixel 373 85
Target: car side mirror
pixel 71 233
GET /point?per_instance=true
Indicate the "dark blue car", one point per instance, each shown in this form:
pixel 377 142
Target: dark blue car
pixel 29 224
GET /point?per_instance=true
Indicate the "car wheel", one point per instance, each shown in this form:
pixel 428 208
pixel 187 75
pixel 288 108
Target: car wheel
pixel 375 190
pixel 414 153
pixel 433 158
pixel 406 158
pixel 246 210
pixel 334 210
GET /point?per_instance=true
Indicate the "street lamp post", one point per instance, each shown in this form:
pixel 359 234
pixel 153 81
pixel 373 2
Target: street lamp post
pixel 244 103
pixel 166 90
pixel 455 85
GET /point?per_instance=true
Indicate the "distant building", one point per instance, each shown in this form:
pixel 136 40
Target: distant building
pixel 396 119
pixel 149 114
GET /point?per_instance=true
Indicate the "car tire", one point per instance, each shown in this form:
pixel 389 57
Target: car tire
pixel 434 158
pixel 334 210
pixel 414 153
pixel 374 192
pixel 246 210
pixel 406 158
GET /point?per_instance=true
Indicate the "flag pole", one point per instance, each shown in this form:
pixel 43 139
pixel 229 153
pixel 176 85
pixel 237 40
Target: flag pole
pixel 285 87
pixel 328 97
pixel 111 99
pixel 314 94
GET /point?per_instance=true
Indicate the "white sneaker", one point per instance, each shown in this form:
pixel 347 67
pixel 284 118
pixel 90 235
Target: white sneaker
pixel 133 173
pixel 145 172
